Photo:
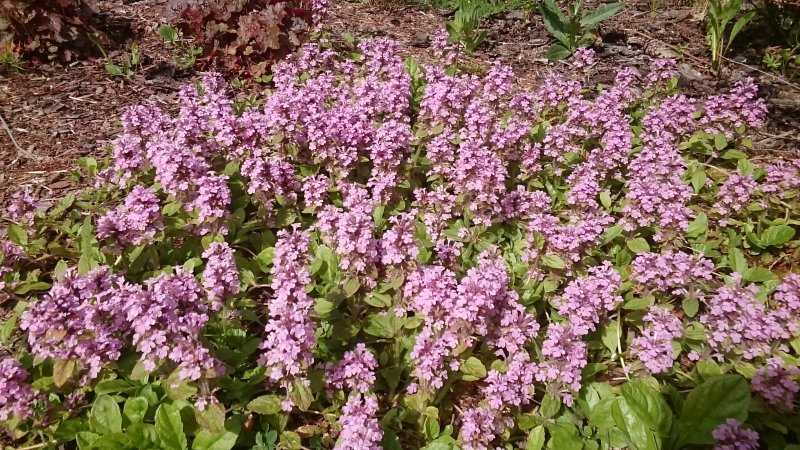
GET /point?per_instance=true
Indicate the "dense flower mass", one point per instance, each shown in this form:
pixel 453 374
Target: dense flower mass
pixel 167 319
pixel 220 277
pixel 737 321
pixel 672 272
pixel 290 330
pixel 777 384
pixel 654 347
pixel 135 222
pixel 16 395
pixel 732 436
pixel 436 257
pixel 355 371
pixel 82 318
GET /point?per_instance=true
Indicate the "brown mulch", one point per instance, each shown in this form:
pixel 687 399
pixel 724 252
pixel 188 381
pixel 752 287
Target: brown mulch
pixel 58 114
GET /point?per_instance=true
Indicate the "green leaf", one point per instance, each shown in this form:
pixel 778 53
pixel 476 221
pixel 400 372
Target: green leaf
pixel 222 440
pixel 266 404
pixel 381 325
pixel 105 418
pixel 291 440
pixel 18 235
pixel 301 395
pixel 550 405
pixel 113 387
pixel 737 261
pixel 720 142
pixel 593 19
pixel 605 200
pixel 378 300
pixel 473 369
pixel 759 275
pixel 169 427
pixel 558 52
pixel 554 20
pixel 113 441
pixel 86 439
pixel 144 436
pixel 709 405
pixel 553 261
pixel 211 418
pixel 351 287
pixel 776 235
pixel 698 179
pixel 647 403
pixel 737 27
pixel 690 306
pixel 610 336
pixel 698 227
pixel 638 245
pixel 565 437
pixel 135 409
pixel 634 428
pixel 535 439
pixel 600 414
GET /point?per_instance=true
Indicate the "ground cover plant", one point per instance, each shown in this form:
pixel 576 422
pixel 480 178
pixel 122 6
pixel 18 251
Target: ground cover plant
pixel 384 254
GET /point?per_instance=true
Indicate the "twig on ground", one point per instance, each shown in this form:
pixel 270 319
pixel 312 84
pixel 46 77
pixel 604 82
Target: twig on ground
pixel 20 151
pixel 776 77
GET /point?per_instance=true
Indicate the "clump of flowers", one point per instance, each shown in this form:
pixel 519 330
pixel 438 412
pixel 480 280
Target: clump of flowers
pixel 220 277
pixel 22 207
pixel 167 319
pixel 732 436
pixel 654 347
pixel 16 395
pixel 355 371
pixel 735 194
pixel 737 320
pixel 673 272
pixel 290 330
pixel 135 222
pixel 777 383
pixel 401 232
pixel 81 318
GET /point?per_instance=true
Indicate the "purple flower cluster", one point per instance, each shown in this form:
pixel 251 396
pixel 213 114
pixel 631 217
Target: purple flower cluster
pixel 82 318
pixel 349 230
pixel 654 347
pixel 167 320
pixel 457 312
pixel 290 330
pixel 135 222
pixel 656 192
pixel 22 207
pixel 479 427
pixel 731 436
pixel 360 427
pixel 777 384
pixel 16 395
pixel 12 253
pixel 355 371
pixel 739 108
pixel 782 178
pixel 586 298
pixel 221 276
pixel 786 299
pixel 734 195
pixel 736 320
pixel 670 271
pixel 182 150
pixel 581 304
pixel 398 246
